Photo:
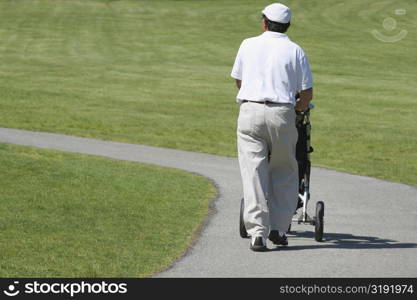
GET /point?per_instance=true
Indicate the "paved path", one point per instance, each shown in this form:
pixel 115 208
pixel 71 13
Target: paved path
pixel 370 225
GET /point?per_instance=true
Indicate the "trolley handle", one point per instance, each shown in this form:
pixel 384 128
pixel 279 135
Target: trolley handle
pixel 302 113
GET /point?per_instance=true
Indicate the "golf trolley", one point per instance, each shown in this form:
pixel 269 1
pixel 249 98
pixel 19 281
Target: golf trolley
pixel 303 151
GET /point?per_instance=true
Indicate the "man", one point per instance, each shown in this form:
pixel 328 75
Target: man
pixel 269 71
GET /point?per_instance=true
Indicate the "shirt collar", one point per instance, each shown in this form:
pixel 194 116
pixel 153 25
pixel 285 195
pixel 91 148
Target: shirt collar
pixel 274 34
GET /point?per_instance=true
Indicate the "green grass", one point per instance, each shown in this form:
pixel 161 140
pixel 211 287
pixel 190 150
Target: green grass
pixel 68 215
pixel 157 72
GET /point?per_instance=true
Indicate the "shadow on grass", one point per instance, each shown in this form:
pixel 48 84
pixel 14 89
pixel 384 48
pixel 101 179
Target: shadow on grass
pixel 345 241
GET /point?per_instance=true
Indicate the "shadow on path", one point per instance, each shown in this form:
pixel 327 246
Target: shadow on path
pixel 344 241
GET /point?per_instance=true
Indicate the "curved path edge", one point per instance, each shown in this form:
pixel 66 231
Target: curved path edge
pixel 370 224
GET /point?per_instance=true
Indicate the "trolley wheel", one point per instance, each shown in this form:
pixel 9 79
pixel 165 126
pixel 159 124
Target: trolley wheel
pixel 319 224
pixel 242 228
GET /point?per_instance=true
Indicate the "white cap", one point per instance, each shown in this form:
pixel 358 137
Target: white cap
pixel 277 12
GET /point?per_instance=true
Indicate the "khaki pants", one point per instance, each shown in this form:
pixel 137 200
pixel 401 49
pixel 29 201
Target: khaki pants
pixel 270 185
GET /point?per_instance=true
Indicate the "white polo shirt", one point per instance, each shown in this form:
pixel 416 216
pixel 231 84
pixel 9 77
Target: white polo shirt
pixel 272 68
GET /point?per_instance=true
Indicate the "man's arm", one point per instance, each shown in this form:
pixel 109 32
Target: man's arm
pixel 305 97
pixel 238 83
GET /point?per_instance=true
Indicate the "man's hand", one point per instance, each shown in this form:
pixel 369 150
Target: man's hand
pixel 301 105
pixel 238 83
pixel 303 102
